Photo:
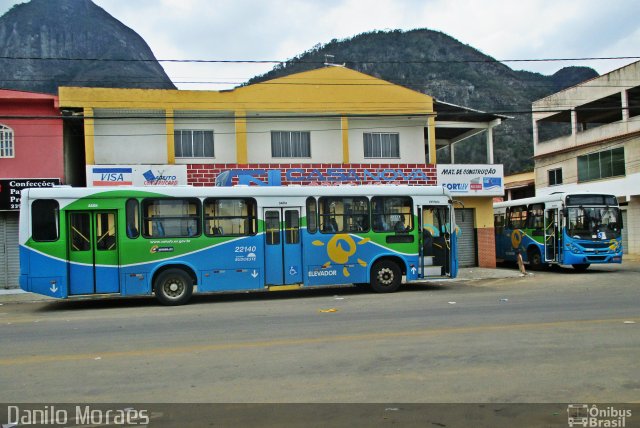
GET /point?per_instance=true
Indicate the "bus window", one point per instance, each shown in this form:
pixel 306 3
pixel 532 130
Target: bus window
pixel 171 218
pixel 272 227
pixel 133 218
pixel 105 231
pixel 292 227
pixel 343 214
pixel 392 214
pixel 518 217
pixel 312 215
pixel 45 220
pixel 536 218
pixel 498 220
pixel 80 224
pixel 229 217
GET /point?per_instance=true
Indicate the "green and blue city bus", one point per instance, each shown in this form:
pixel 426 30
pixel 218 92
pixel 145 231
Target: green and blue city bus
pixel 578 229
pixel 172 241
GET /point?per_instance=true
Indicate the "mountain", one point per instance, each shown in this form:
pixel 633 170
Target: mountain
pixel 93 49
pixel 436 64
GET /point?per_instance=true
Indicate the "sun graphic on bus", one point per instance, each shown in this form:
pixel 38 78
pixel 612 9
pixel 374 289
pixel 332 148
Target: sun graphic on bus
pixel 339 249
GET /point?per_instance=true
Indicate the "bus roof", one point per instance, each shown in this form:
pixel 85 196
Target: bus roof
pixel 558 196
pixel 237 191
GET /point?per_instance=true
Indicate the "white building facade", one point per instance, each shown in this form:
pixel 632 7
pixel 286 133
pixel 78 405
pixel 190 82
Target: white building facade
pixel 587 138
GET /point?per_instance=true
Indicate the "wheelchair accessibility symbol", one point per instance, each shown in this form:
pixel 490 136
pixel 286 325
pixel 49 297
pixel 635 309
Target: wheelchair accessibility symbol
pixel 293 271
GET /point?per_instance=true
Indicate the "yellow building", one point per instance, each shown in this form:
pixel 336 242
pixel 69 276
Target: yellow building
pixel 327 126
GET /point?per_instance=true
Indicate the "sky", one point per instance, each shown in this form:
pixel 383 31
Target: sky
pixel 253 30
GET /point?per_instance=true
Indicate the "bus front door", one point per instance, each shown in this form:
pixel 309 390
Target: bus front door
pixel 283 246
pixel 551 217
pixel 92 252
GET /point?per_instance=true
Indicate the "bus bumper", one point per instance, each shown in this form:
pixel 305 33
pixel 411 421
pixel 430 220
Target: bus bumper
pixel 576 259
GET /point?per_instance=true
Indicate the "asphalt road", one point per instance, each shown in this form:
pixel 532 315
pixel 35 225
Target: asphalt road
pixel 552 337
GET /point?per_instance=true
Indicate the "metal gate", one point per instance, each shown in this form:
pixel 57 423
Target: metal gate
pixel 9 253
pixel 625 233
pixel 467 252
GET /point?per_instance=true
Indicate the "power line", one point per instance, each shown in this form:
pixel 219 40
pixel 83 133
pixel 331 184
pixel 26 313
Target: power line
pixel 277 61
pixel 305 117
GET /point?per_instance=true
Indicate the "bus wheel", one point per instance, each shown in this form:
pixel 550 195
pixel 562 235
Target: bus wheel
pixel 173 287
pixel 385 277
pixel 535 259
pixel 581 267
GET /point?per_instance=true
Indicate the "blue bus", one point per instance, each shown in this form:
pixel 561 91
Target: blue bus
pixel 577 229
pixel 173 241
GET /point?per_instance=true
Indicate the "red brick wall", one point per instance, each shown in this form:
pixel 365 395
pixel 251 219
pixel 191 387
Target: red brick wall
pixel 321 174
pixel 486 247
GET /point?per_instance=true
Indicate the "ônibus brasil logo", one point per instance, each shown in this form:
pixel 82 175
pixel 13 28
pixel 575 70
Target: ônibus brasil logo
pixel 597 416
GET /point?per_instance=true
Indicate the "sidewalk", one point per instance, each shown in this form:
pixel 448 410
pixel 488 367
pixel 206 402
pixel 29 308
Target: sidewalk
pixel 15 295
pixel 475 273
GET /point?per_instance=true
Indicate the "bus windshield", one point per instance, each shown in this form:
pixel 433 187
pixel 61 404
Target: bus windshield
pixel 594 222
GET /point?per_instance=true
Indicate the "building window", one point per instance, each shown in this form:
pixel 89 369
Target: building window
pixel 555 176
pixel 607 163
pixel 381 145
pixel 290 144
pixel 6 142
pixel 633 100
pixel 190 143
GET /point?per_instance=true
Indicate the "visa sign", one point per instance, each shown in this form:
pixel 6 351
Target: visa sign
pixel 136 175
pixel 112 177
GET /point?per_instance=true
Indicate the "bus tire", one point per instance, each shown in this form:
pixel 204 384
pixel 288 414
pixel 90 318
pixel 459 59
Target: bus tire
pixel 535 259
pixel 173 287
pixel 581 267
pixel 386 276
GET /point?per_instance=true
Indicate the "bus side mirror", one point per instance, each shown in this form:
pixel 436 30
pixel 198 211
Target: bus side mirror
pixel 565 212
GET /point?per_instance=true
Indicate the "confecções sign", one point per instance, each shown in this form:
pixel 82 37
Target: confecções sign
pixel 10 190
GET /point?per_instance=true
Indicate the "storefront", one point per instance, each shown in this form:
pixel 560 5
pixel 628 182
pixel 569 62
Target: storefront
pixel 9 212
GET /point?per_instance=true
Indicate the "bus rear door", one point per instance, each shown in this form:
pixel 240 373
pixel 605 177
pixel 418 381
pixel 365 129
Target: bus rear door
pixel 283 246
pixel 438 248
pixel 92 252
pixel 551 233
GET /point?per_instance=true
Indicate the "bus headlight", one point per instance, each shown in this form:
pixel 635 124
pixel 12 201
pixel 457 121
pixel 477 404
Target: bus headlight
pixel 574 249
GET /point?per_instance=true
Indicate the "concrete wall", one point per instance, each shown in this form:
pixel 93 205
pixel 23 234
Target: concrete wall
pixel 621 186
pixel 633 224
pixel 37 143
pixel 130 141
